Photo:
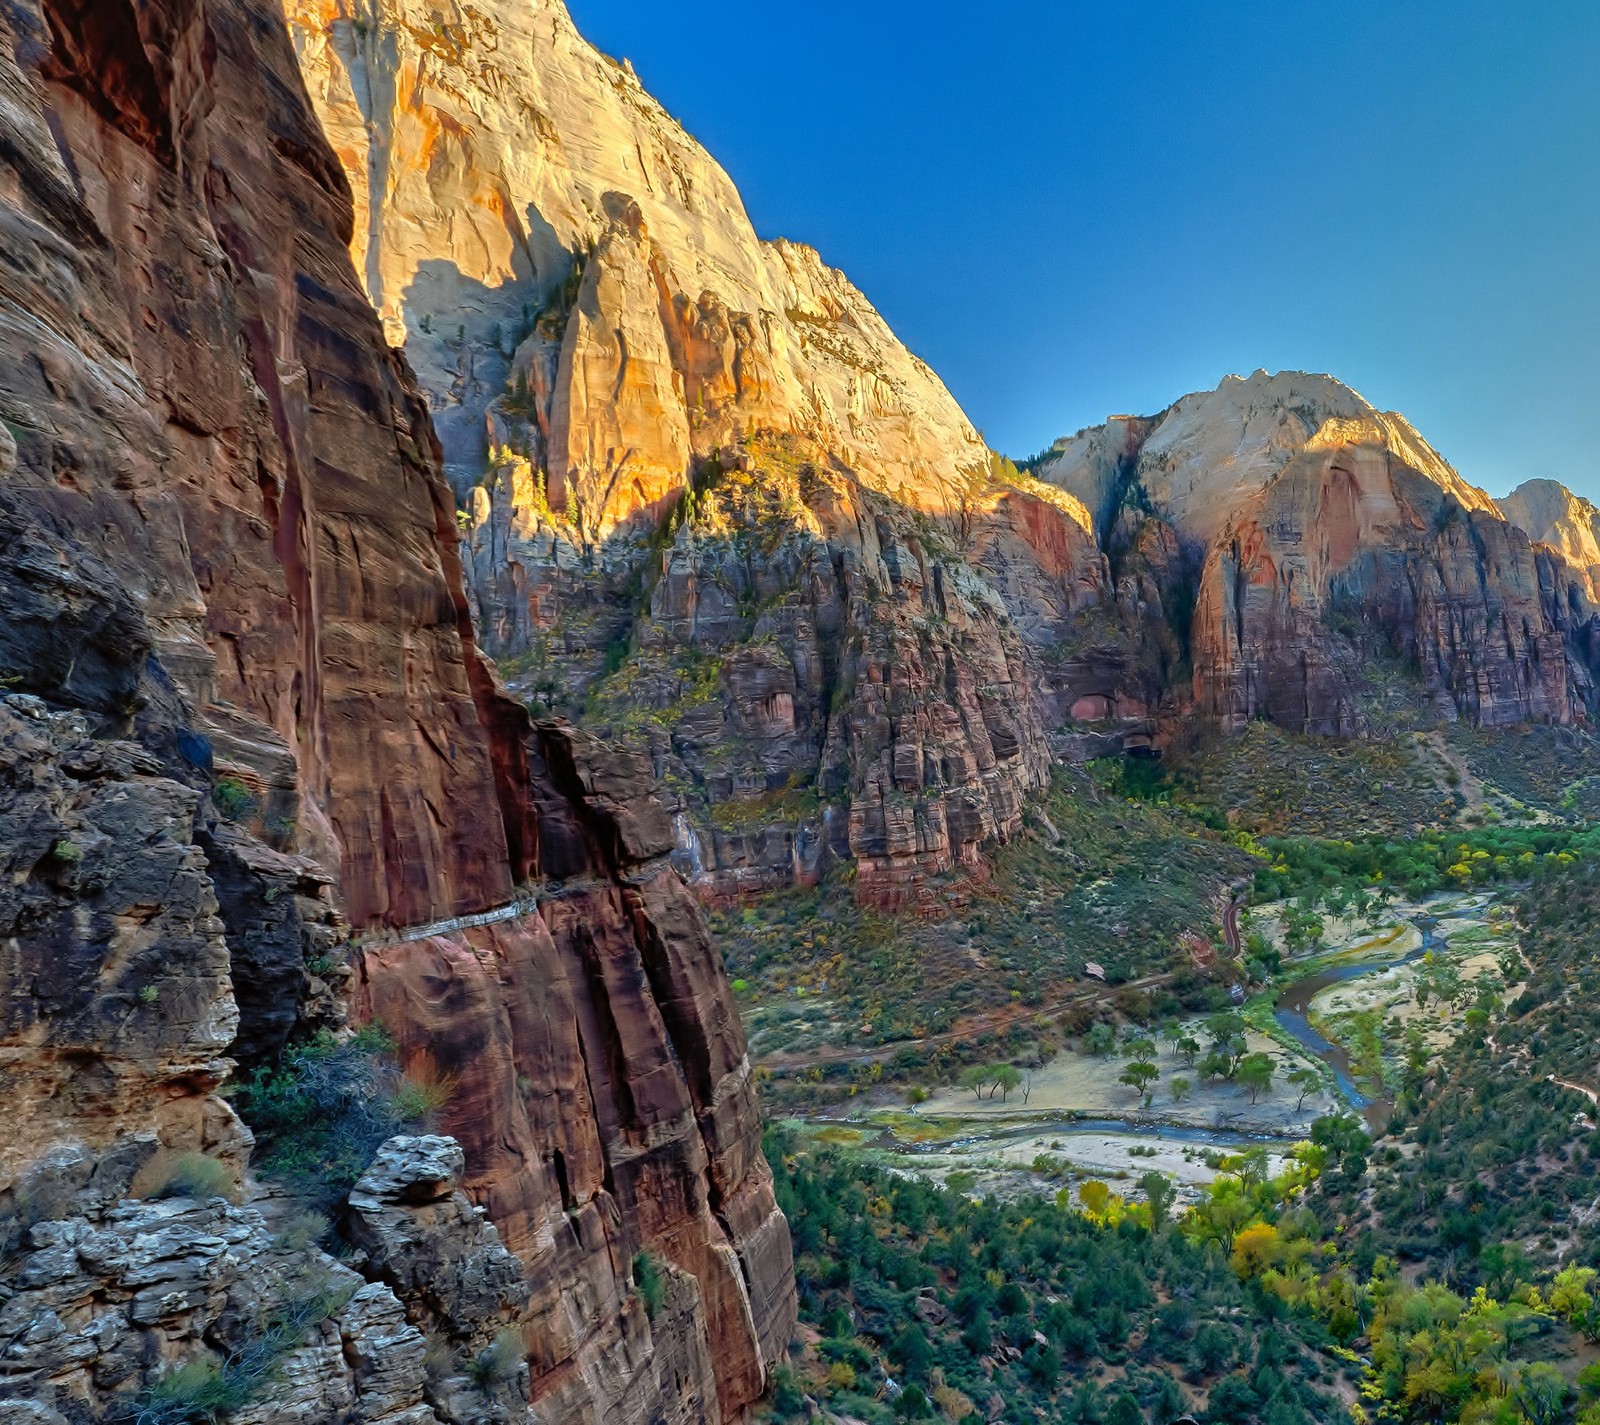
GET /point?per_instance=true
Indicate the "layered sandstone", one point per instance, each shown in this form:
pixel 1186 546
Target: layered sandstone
pixel 1549 513
pixel 496 159
pixel 248 717
pixel 603 340
pixel 1319 533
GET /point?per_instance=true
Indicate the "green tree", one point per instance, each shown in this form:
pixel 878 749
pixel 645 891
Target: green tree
pixel 1102 1041
pixel 1254 1074
pixel 1224 1027
pixel 1542 1392
pixel 1139 1076
pixel 1160 1192
pixel 1125 1411
pixel 1005 1079
pixel 976 1078
pixel 1169 1403
pixel 1179 1088
pixel 1213 1347
pixel 1306 1080
pixel 911 1351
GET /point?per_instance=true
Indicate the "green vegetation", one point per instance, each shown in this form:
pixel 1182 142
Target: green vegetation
pixel 649 1283
pixel 1495 1159
pixel 822 968
pixel 193 1175
pixel 1255 1304
pixel 1267 781
pixel 1064 1316
pixel 1334 872
pixel 327 1107
pixel 206 1390
pixel 498 1362
pixel 233 799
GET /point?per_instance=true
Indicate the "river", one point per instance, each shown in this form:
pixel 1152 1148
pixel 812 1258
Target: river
pixel 1293 1010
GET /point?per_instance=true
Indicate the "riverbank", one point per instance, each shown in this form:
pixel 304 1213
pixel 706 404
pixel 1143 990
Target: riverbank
pixel 1073 1118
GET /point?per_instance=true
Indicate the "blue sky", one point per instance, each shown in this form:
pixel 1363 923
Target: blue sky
pixel 1073 209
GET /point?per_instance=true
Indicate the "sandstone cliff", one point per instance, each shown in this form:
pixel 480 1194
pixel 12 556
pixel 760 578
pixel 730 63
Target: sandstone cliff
pixel 1319 534
pixel 1549 513
pixel 248 744
pixel 644 404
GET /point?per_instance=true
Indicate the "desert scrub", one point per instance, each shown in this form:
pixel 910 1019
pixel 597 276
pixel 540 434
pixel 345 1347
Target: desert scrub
pixel 498 1362
pixel 209 1388
pixel 649 1284
pixel 191 1175
pixel 792 804
pixel 326 1107
pixel 233 799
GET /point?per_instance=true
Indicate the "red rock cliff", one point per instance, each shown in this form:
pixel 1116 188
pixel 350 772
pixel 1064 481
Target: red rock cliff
pixel 206 431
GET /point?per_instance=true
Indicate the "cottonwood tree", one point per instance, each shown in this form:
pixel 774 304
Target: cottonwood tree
pixel 1005 1079
pixel 1139 1076
pixel 1307 1080
pixel 1254 1074
pixel 1160 1192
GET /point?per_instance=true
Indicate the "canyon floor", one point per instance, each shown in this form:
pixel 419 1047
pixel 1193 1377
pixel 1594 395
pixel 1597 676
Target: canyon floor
pixel 1074 1119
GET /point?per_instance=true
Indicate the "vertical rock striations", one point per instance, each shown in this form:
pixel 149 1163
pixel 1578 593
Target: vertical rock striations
pixel 639 397
pixel 245 714
pixel 1319 533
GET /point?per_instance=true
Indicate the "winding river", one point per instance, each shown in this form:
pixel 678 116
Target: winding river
pixel 1293 1011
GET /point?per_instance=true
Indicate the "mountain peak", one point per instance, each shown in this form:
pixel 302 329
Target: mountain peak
pixel 1208 453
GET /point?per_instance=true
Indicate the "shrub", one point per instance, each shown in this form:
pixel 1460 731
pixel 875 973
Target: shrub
pixel 322 1112
pixel 420 1098
pixel 192 1175
pixel 233 799
pixel 204 1390
pixel 194 1392
pixel 498 1362
pixel 302 1231
pixel 649 1283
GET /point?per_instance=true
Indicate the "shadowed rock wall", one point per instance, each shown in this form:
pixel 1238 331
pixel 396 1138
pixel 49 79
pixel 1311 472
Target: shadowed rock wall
pixel 245 709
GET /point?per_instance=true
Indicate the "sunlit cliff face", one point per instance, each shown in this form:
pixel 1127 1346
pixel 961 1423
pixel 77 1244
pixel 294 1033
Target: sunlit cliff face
pixel 570 271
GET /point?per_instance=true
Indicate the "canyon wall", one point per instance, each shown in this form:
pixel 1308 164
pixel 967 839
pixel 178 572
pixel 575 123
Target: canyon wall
pixel 697 458
pixel 1320 534
pixel 248 741
pixel 1549 513
pixel 713 507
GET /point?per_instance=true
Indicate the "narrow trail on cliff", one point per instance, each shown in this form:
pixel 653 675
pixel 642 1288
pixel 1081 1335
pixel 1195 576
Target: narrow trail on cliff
pixel 511 910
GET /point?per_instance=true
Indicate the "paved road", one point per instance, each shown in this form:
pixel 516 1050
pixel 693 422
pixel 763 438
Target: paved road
pixel 1230 925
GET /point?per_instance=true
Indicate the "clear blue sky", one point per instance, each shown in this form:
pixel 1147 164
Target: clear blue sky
pixel 1071 209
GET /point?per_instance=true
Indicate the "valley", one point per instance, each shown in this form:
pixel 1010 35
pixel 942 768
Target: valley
pixel 581 850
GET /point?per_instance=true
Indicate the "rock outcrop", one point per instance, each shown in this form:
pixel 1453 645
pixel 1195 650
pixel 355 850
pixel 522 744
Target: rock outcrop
pixel 1549 513
pixel 1319 534
pixel 105 1300
pixel 641 400
pixel 248 742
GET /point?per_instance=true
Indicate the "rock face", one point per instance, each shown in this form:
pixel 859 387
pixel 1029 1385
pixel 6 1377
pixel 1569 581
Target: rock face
pixel 246 720
pixel 1549 513
pixel 637 396
pixel 1319 534
pixel 101 1297
pixel 525 210
pixel 714 506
